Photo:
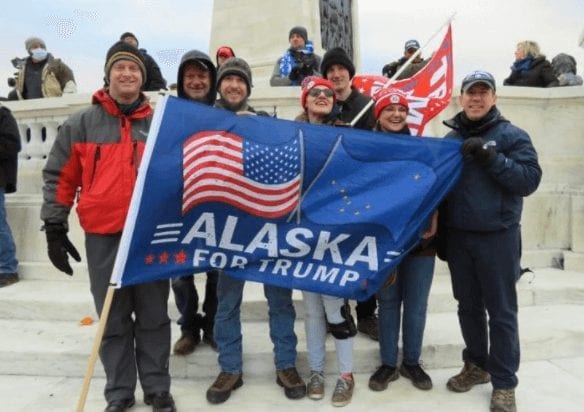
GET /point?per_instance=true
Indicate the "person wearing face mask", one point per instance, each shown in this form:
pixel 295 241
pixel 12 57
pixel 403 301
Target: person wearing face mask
pixel 42 75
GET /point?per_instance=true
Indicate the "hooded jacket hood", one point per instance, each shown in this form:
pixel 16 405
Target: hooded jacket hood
pixel 196 55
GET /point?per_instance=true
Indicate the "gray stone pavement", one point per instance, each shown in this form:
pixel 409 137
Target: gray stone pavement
pixel 547 385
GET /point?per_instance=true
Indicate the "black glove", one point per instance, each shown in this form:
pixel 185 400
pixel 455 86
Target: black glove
pixel 389 69
pixel 59 246
pixel 474 147
pixel 296 74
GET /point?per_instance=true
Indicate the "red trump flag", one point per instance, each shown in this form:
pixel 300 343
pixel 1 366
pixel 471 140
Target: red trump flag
pixel 429 91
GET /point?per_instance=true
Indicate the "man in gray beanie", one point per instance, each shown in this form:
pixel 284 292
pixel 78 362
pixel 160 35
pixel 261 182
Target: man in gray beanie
pixel 41 75
pixel 234 86
pixel 298 62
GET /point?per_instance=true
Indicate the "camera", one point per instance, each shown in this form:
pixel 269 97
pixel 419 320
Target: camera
pixel 305 66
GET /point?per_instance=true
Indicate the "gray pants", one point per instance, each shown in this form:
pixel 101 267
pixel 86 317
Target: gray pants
pixel 136 340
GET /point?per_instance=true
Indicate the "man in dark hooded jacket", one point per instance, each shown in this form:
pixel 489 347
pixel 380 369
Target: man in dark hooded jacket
pixel 196 80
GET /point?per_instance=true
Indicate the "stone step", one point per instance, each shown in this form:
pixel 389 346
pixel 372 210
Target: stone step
pixel 65 299
pixel 62 348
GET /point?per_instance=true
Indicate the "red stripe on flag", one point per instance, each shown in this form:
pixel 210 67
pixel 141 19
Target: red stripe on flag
pixel 213 171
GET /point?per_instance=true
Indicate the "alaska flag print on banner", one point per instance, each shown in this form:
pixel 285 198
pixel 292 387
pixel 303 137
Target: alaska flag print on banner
pixel 326 209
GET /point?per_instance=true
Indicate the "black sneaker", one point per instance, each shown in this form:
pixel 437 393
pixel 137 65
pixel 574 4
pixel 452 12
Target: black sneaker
pixel 416 374
pixel 7 279
pixel 382 376
pixel 290 380
pixel 369 326
pixel 221 389
pixel 161 402
pixel 119 405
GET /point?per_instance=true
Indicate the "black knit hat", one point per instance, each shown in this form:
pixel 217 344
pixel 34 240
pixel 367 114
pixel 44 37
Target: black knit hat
pixel 124 51
pixel 337 55
pixel 238 67
pixel 129 34
pixel 299 30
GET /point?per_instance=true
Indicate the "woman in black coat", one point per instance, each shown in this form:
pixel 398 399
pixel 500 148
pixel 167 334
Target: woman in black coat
pixel 531 69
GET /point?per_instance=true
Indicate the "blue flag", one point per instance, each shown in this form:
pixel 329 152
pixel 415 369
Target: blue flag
pixel 326 209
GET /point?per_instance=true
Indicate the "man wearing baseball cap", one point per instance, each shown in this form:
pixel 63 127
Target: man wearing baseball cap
pixel 410 47
pixel 482 236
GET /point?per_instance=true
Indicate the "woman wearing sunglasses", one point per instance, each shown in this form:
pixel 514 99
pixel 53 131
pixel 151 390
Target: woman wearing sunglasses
pixel 318 100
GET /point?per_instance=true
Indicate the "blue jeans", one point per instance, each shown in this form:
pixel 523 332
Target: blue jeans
pixel 228 324
pixel 411 290
pixel 484 268
pixel 8 262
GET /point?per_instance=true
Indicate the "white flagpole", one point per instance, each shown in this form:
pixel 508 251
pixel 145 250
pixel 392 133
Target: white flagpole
pixel 401 69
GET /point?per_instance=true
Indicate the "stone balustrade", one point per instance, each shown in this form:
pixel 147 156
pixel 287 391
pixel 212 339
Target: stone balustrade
pixel 553 220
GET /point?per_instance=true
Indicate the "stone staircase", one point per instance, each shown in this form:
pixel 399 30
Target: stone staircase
pixel 42 335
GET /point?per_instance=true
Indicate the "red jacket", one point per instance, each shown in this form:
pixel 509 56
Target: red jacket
pixel 95 159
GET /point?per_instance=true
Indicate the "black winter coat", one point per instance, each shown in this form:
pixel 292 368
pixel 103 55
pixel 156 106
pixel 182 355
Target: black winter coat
pixel 351 107
pixel 9 148
pixel 154 79
pixel 490 197
pixel 539 74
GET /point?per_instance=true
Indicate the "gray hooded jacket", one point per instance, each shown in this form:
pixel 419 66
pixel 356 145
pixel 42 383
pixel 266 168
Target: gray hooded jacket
pixel 196 55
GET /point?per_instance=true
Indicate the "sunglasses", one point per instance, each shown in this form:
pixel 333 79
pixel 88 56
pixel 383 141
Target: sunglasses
pixel 314 92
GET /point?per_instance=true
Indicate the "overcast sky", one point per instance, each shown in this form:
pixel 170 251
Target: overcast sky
pixel 485 32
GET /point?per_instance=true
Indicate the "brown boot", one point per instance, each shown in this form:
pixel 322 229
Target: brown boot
pixel 221 389
pixel 186 344
pixel 290 380
pixel 503 400
pixel 469 376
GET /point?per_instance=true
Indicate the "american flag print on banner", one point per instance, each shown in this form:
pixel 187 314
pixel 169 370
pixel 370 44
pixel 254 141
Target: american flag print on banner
pixel 263 180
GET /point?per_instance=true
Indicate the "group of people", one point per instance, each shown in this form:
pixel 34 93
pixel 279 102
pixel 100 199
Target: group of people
pixel 477 229
pixel 530 68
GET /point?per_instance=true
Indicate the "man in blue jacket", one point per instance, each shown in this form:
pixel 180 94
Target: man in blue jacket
pixel 483 238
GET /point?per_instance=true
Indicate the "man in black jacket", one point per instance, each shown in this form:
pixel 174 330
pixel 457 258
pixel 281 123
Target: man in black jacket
pixel 338 68
pixel 9 148
pixel 482 217
pixel 154 79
